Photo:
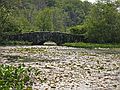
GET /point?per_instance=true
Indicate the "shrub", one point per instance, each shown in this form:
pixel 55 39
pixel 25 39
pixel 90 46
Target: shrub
pixel 80 29
pixel 13 78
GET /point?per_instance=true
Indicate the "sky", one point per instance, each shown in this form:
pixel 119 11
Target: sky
pixel 90 0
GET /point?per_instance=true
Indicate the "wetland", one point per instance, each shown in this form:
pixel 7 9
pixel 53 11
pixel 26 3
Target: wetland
pixel 66 68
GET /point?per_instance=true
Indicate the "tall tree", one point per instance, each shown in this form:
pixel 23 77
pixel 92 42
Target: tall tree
pixel 103 23
pixel 76 9
pixel 50 19
pixel 7 24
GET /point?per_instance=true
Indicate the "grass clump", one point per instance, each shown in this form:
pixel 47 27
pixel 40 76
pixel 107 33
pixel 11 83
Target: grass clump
pixel 92 45
pixel 13 78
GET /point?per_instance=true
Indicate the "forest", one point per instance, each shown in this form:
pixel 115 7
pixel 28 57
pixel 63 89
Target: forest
pixel 99 21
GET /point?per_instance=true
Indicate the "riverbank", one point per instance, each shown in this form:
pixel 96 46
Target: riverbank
pixel 66 68
pixel 91 45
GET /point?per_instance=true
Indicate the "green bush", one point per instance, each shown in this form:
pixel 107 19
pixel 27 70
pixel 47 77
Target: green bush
pixel 80 29
pixel 13 78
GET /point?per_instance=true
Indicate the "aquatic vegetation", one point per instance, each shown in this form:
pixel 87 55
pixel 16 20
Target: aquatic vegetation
pixel 15 78
pixel 58 67
pixel 31 50
pixel 92 45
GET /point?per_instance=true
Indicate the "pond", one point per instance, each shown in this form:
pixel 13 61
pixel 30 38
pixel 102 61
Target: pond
pixel 67 68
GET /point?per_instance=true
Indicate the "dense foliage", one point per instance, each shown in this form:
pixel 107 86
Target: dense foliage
pixel 99 21
pixel 12 78
pixel 49 13
pixel 79 29
pixel 103 23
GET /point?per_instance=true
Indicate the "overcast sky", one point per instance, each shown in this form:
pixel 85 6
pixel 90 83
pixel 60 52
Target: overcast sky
pixel 90 0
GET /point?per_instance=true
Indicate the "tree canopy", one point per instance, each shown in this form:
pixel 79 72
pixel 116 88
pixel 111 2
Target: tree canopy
pixel 99 22
pixel 103 23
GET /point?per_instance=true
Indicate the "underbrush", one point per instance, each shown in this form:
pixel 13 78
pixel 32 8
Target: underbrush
pixel 14 78
pixel 92 45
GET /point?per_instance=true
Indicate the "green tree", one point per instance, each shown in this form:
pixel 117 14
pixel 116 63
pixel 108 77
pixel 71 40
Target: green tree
pixel 103 23
pixel 76 9
pixel 50 19
pixel 7 24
